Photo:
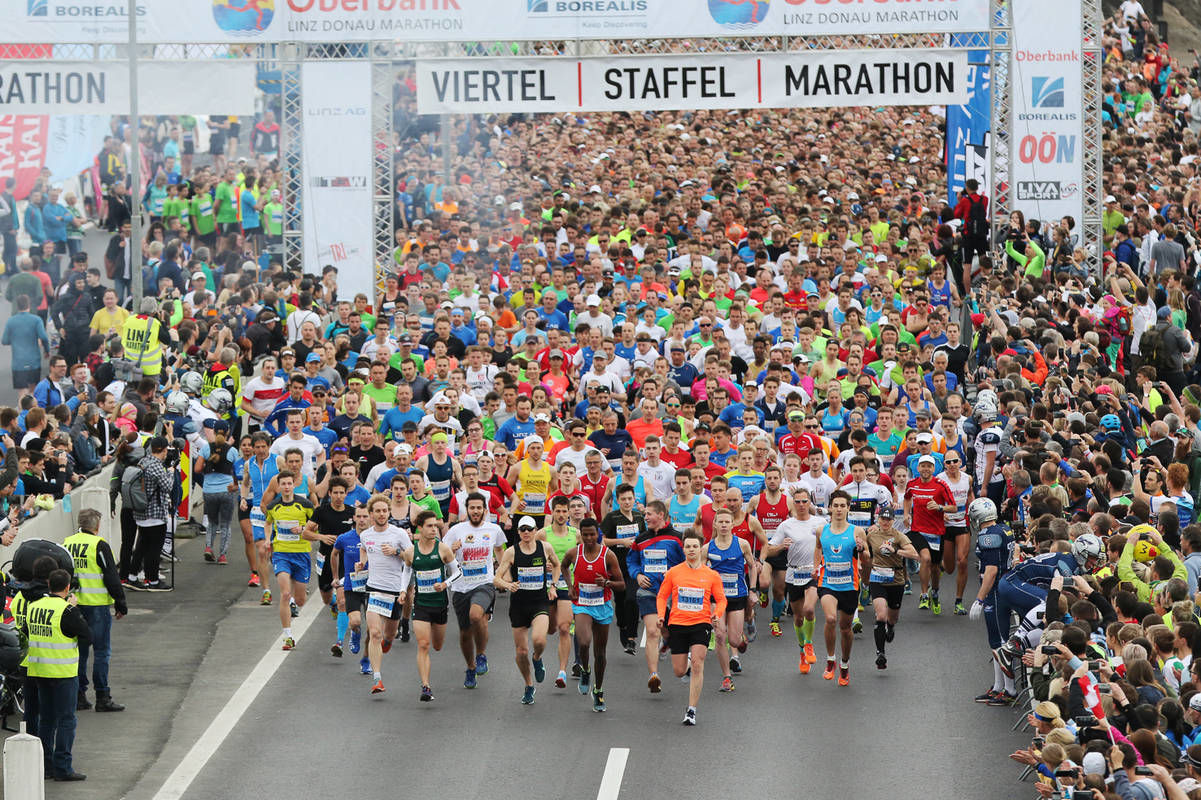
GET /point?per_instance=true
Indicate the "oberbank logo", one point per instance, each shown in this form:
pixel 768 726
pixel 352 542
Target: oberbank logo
pixel 243 17
pixel 738 14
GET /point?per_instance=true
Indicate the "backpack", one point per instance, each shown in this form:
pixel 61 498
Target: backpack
pixel 133 489
pixel 977 218
pixel 1151 347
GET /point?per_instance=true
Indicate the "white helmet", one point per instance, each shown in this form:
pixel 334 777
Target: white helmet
pixel 1087 546
pixel 220 401
pixel 985 410
pixel 191 383
pixel 988 396
pixel 177 403
pixel 980 512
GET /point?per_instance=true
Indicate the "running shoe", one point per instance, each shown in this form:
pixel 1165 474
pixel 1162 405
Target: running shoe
pixel 810 656
pixel 335 650
pixel 561 680
pixel 654 684
pixel 960 611
pixel 208 554
pixel 222 561
pixel 294 609
pixel 690 717
pixel 803 665
pixel 762 599
pixel 356 642
pixel 386 646
pixel 908 588
pixel 751 630
pixel 987 696
pixel 829 673
pixel 935 606
pixel 630 647
pixel 727 684
pixel 255 580
pixel 598 701
pixel 576 669
pixel 584 677
pixel 539 670
pixel 135 585
pixel 364 666
pixel 289 643
pixel 775 628
pixel 890 632
pixel 469 680
pixel 266 600
pixel 481 664
pixel 378 688
pixel 735 666
pixel 923 602
pixel 1002 699
pixel 527 697
pixel 857 624
pixel 426 694
pixel 844 676
pixel 881 660
pixel 405 636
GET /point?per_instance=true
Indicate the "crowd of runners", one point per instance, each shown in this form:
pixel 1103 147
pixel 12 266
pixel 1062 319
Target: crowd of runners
pixel 697 380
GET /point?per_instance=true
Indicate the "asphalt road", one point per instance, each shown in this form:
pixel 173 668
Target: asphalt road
pixel 911 731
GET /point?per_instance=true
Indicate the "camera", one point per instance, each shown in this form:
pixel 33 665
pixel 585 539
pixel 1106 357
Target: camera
pixel 1049 650
pixel 1082 794
pixel 1096 665
pixel 1142 771
pixel 1085 720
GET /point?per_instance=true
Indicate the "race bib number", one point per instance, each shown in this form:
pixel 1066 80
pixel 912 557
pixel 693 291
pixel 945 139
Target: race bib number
pixel 591 595
pixel 531 578
pixel 257 517
pixel 206 208
pixel 627 531
pixel 358 580
pixel 882 575
pixel 690 598
pixel 562 584
pixel 798 576
pixel 729 583
pixel 839 577
pixel 475 569
pixel 381 603
pixel 934 540
pixel 320 562
pixel 654 561
pixel 287 531
pixel 426 578
pixel 440 490
pixel 534 500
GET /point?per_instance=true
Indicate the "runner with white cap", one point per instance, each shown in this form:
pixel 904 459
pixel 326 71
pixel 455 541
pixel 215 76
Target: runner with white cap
pixel 529 572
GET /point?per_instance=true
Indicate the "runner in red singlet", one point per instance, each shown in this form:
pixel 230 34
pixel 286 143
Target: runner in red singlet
pixel 771 508
pixel 594 482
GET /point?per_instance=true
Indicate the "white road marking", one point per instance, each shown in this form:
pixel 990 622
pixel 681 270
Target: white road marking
pixel 642 645
pixel 615 768
pixel 223 724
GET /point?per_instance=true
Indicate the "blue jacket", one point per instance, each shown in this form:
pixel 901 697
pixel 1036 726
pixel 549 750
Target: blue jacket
pixel 54 222
pixel 34 224
pixel 656 550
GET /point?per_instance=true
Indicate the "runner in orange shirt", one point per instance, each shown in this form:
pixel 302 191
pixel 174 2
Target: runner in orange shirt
pixel 697 601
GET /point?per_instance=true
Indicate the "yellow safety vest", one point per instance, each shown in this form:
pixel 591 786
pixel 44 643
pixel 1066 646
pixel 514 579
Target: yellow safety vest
pixel 83 547
pixel 139 337
pixel 52 654
pixel 17 609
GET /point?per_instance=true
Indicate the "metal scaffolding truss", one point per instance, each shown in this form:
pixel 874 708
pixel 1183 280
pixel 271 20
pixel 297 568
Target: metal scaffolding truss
pixel 999 137
pixel 291 150
pixel 383 76
pixel 1092 145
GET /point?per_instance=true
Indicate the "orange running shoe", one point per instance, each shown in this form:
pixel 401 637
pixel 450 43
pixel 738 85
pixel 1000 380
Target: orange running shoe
pixel 810 656
pixel 803 665
pixel 378 688
pixel 829 673
pixel 844 676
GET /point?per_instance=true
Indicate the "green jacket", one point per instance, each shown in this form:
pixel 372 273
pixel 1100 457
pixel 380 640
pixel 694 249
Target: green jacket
pixel 1143 589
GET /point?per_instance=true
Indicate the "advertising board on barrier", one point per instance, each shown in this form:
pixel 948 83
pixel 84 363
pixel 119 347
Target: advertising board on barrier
pixel 99 87
pixel 212 21
pixel 1047 128
pixel 337 169
pixel 712 81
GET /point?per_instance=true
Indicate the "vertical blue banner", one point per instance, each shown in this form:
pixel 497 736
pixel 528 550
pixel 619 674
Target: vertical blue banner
pixel 969 126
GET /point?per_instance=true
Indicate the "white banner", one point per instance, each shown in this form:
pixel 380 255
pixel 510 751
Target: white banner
pixel 102 87
pixel 710 81
pixel 337 169
pixel 1047 130
pixel 213 21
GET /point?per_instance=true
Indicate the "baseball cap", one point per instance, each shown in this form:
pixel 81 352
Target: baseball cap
pixel 593 300
pixel 1109 198
pixel 531 439
pixel 924 438
pixel 555 354
pixel 1164 312
pixel 527 523
pixel 198 276
pixel 927 460
pixel 312 357
pixel 403 447
pixel 542 418
pixel 796 414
